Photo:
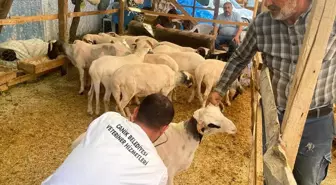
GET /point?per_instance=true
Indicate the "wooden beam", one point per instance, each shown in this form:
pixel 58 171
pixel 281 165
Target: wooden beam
pixel 320 25
pixel 80 14
pixel 275 169
pixel 185 17
pixel 4 9
pixel 24 19
pixel 63 34
pixel 179 7
pixel 121 16
pixel 255 9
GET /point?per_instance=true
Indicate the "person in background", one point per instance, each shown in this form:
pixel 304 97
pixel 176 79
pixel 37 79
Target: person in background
pixel 227 33
pixel 118 151
pixel 278 34
pixel 166 22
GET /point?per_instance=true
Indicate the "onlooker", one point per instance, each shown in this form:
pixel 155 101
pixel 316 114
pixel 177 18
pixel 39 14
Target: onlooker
pixel 166 22
pixel 228 34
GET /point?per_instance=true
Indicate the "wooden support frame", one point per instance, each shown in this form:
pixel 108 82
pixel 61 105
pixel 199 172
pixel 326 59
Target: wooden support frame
pixel 321 21
pixel 63 20
pixel 121 16
pixel 186 17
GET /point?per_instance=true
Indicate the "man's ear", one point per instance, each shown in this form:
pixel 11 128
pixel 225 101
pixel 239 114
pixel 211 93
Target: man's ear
pixel 135 114
pixel 164 128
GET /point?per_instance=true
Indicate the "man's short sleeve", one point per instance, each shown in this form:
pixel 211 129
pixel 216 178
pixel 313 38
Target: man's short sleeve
pixel 238 17
pixel 164 178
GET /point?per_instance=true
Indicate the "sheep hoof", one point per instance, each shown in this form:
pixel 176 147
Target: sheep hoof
pixel 90 112
pixel 81 92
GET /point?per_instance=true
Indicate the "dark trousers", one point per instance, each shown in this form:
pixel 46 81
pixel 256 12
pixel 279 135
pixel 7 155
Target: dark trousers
pixel 221 39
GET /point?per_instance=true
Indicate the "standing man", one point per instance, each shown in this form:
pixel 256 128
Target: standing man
pixel 279 34
pixel 116 151
pixel 228 33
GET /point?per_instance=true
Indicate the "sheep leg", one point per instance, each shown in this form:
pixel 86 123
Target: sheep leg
pixel 174 94
pixel 206 94
pixel 227 99
pixel 107 97
pixel 90 97
pixel 191 98
pixel 136 100
pixel 81 79
pixel 199 93
pixel 97 91
pixel 123 103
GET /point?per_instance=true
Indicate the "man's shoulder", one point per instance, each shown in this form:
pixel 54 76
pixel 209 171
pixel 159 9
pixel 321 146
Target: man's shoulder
pixel 263 18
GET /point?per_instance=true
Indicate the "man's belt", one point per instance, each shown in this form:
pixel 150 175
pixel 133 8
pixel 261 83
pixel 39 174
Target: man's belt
pixel 319 112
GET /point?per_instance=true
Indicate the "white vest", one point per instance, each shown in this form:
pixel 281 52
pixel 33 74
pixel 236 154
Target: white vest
pixel 114 151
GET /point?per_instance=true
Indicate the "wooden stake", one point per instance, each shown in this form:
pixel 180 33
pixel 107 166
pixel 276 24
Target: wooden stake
pixel 321 21
pixel 63 20
pixel 121 17
pixel 6 5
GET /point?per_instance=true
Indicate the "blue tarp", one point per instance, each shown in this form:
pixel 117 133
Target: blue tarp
pixel 199 13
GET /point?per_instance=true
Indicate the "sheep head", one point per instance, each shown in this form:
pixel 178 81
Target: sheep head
pixel 186 79
pixel 55 48
pixel 210 120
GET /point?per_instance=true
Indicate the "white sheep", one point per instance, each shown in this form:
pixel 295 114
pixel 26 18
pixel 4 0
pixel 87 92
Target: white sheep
pixel 81 54
pixel 103 68
pixel 143 79
pixel 166 46
pixel 178 144
pixel 208 73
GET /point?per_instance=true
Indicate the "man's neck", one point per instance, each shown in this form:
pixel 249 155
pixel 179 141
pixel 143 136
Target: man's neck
pixel 302 7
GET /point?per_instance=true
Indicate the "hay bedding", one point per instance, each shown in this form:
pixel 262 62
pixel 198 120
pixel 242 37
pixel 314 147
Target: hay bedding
pixel 38 122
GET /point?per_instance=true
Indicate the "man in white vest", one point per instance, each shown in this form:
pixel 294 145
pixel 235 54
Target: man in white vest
pixel 116 151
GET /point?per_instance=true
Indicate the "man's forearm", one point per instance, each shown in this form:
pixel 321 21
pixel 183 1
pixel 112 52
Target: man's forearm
pixel 240 29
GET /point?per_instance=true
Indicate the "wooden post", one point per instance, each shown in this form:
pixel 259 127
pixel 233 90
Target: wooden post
pixel 321 21
pixel 63 20
pixel 121 16
pixel 194 8
pixel 4 9
pixel 255 10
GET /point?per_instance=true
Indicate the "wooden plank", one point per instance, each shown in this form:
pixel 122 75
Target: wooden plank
pixel 21 79
pixel 255 9
pixel 185 17
pixel 275 169
pixel 320 24
pixel 63 20
pixel 179 7
pixel 121 17
pixel 40 64
pixel 4 9
pixel 259 171
pixel 103 12
pixel 24 19
pixel 6 76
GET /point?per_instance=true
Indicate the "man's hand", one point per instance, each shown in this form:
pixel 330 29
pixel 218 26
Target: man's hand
pixel 214 98
pixel 159 26
pixel 236 39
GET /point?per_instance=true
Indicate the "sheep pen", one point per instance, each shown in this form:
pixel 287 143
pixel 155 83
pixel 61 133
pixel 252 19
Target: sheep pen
pixel 40 120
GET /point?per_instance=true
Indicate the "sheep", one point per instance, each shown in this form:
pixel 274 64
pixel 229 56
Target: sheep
pixel 144 79
pixel 130 40
pixel 177 146
pixel 187 61
pixel 101 70
pixel 81 54
pixel 166 46
pixel 209 73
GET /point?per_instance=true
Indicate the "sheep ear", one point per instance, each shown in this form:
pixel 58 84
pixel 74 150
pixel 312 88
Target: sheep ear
pixel 151 45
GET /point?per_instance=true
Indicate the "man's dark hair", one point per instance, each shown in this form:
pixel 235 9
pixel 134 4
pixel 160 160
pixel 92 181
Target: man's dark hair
pixel 172 11
pixel 155 111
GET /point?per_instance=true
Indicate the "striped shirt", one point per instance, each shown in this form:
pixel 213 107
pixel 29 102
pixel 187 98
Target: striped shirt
pixel 280 45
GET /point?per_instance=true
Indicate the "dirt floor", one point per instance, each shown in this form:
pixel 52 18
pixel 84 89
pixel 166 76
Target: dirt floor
pixel 38 122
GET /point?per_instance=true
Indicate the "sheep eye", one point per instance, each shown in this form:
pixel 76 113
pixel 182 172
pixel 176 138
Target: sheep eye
pixel 211 125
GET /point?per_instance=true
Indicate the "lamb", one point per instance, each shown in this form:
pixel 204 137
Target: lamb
pixel 103 68
pixel 178 144
pixel 209 73
pixel 144 79
pixel 165 46
pixel 81 54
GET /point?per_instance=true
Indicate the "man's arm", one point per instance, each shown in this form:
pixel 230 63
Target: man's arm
pixel 240 29
pixel 238 61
